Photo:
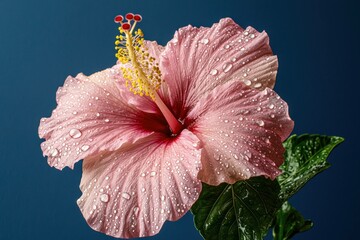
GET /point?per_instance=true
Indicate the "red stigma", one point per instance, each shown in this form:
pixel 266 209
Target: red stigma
pixel 118 19
pixel 137 18
pixel 125 26
pixel 129 16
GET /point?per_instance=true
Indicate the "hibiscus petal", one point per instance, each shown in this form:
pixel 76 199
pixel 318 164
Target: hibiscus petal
pixel 199 59
pixel 154 49
pixel 241 130
pixel 130 193
pixel 92 115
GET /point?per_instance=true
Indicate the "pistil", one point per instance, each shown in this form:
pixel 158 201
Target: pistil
pixel 144 76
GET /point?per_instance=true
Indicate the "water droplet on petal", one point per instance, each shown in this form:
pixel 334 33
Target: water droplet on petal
pixel 257 85
pixel 260 123
pixel 104 198
pixel 227 46
pixel 246 33
pixel 107 120
pixel 252 35
pixel 196 145
pixel 227 67
pixel 54 152
pixel 125 195
pixel 236 156
pixel 204 41
pixel 136 210
pixel 75 133
pixel 152 174
pixel 85 148
pixel 271 106
pixel 213 72
pixel 247 82
pixel 233 59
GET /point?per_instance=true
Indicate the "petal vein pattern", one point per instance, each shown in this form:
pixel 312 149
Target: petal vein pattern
pixel 92 115
pixel 241 130
pixel 130 193
pixel 199 59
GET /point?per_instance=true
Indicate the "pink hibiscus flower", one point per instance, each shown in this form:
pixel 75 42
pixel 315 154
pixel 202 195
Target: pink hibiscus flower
pixel 203 111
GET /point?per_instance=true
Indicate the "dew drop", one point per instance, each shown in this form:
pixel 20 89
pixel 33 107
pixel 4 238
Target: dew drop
pixel 260 123
pixel 55 152
pixel 152 174
pixel 75 133
pixel 136 210
pixel 236 156
pixel 252 35
pixel 85 148
pixel 104 198
pixel 271 106
pixel 213 72
pixel 247 82
pixel 227 67
pixel 196 144
pixel 125 195
pixel 204 41
pixel 74 112
pixel 246 33
pixel 227 46
pixel 257 85
pixel 107 120
pixel 233 59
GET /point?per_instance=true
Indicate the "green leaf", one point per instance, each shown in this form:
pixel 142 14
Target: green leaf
pixel 244 210
pixel 289 222
pixel 305 157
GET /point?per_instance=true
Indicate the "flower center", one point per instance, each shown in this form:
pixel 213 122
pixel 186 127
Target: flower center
pixel 140 70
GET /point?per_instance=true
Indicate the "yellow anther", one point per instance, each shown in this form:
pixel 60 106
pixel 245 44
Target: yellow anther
pixel 143 77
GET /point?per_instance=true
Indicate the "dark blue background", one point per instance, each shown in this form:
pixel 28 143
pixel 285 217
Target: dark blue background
pixel 42 41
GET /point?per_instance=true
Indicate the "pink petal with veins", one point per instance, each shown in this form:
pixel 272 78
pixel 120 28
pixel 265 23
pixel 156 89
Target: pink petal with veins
pixel 92 115
pixel 130 193
pixel 241 130
pixel 197 60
